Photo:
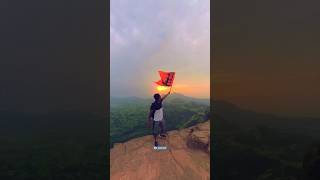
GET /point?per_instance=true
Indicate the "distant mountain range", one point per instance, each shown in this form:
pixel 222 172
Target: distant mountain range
pixel 247 119
pixel 247 144
pixel 128 115
pixel 253 145
pixel 172 97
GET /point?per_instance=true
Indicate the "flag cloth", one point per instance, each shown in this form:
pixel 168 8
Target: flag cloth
pixel 166 78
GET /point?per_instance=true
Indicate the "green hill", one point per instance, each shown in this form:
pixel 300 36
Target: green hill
pixel 128 116
pixel 260 146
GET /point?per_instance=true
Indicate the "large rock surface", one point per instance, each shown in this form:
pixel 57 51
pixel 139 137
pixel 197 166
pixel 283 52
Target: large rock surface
pixel 187 156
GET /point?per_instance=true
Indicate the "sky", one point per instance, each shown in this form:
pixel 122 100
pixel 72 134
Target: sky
pixel 151 35
pixel 266 55
pixel 53 56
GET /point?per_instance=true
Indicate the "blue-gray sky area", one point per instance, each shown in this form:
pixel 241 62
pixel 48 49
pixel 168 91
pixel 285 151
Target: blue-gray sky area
pixel 151 35
pixel 266 55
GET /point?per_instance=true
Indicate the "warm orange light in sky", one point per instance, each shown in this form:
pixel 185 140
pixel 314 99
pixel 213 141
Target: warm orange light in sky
pixel 162 88
pixel 197 86
pixel 199 90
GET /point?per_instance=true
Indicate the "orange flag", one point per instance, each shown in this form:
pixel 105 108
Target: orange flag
pixel 166 78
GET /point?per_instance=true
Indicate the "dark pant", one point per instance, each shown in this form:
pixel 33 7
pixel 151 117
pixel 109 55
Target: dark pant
pixel 158 126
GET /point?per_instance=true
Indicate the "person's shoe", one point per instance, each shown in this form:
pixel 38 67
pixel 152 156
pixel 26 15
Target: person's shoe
pixel 163 135
pixel 156 143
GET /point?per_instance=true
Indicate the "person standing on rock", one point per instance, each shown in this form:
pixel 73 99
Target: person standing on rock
pixel 156 117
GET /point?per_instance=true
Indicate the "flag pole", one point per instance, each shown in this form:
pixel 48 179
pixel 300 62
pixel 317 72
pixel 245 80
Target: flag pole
pixel 171 88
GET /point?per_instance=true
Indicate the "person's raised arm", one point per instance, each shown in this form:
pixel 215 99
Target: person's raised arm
pixel 165 96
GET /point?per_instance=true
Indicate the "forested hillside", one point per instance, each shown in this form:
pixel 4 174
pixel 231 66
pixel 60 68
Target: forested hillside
pixel 257 146
pixel 128 116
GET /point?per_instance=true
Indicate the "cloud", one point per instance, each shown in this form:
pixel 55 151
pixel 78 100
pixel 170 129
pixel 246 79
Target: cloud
pixel 147 35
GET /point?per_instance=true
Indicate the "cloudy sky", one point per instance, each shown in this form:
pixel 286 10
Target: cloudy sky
pixel 150 35
pixel 266 55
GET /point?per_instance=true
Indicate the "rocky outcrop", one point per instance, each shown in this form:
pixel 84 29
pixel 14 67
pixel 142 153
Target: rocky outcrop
pixel 187 156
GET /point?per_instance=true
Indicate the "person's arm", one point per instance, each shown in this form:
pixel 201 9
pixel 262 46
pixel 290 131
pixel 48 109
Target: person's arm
pixel 150 115
pixel 165 96
pixel 150 118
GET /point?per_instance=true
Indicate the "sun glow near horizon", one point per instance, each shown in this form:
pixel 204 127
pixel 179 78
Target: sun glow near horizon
pixel 199 90
pixel 162 88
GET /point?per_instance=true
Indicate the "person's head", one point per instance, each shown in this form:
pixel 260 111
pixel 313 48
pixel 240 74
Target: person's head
pixel 157 97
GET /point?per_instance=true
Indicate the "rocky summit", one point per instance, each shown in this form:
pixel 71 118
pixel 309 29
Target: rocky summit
pixel 186 156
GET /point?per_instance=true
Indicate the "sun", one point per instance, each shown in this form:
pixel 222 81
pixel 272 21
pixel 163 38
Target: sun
pixel 162 88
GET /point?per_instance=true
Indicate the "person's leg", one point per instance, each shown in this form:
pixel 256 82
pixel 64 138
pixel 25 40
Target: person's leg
pixel 155 140
pixel 162 132
pixel 154 132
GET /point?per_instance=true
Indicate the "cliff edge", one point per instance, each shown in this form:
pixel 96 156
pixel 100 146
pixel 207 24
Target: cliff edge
pixel 187 156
